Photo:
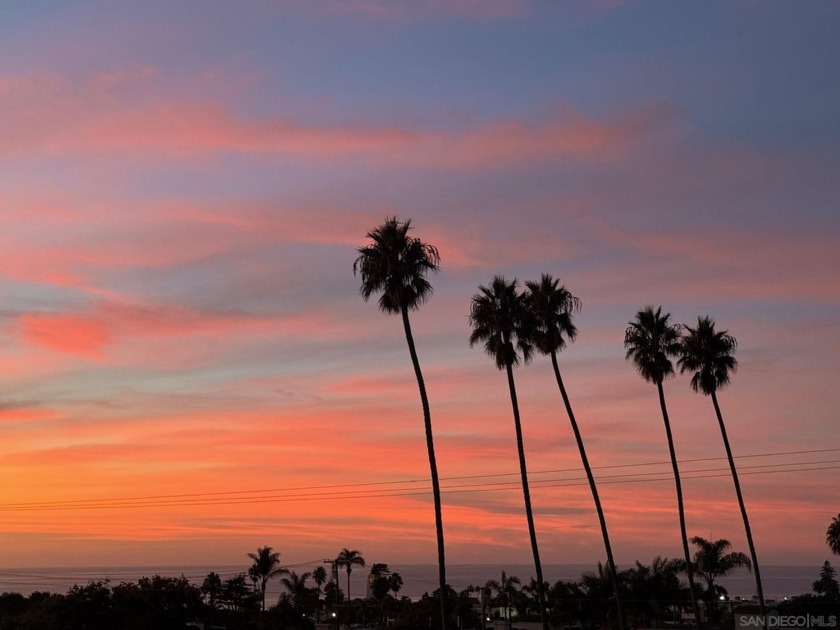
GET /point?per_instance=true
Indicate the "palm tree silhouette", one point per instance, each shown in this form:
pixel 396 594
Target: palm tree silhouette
pixel 266 566
pixel 708 354
pixel 651 340
pixel 297 589
pixel 506 590
pixel 600 587
pixel 319 574
pixel 654 588
pixel 711 561
pixel 832 535
pixel 501 320
pixel 396 265
pixel 348 558
pixel 551 306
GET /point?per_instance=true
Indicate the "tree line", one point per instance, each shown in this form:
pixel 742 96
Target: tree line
pixel 653 595
pixel 513 323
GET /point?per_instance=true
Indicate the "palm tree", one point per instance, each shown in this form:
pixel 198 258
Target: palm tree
pixel 298 592
pixel 599 587
pixel 506 590
pixel 832 535
pixel 711 561
pixel 348 558
pixel 651 340
pixel 395 581
pixel 266 566
pixel 655 589
pixel 501 320
pixel 319 574
pixel 551 306
pixel 708 354
pixel 396 265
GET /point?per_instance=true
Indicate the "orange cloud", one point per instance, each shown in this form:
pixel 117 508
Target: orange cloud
pixel 10 415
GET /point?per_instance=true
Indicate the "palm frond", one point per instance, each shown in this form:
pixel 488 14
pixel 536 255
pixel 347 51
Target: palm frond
pixel 396 265
pixel 501 320
pixel 832 535
pixel 708 354
pixel 650 341
pixel 551 306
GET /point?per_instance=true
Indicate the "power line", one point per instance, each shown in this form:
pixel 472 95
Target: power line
pixel 335 487
pixel 197 499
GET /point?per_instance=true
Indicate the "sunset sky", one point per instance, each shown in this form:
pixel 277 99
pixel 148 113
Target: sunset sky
pixel 188 372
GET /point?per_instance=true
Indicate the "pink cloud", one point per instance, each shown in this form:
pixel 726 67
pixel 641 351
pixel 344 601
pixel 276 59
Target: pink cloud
pixel 50 116
pixel 65 333
pixel 106 324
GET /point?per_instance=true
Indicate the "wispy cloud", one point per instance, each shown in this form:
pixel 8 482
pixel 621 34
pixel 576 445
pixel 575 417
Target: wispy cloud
pixel 50 116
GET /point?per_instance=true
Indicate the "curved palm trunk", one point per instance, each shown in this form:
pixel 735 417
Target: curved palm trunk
pixel 601 519
pixel 430 446
pixel 747 530
pixel 688 568
pixel 527 494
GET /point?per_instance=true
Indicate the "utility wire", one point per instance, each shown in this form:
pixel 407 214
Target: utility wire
pixel 336 487
pixel 287 496
pixel 399 482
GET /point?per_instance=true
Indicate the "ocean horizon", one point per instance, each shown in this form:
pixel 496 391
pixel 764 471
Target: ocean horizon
pixel 779 581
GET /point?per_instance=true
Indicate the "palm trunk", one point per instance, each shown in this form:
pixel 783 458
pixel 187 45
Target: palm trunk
pixel 601 519
pixel 747 530
pixel 430 446
pixel 688 568
pixel 348 588
pixel 527 494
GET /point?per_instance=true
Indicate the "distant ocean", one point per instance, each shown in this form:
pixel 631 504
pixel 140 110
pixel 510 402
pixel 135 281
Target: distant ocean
pixel 779 580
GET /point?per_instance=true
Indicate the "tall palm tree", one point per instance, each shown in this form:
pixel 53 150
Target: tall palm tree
pixel 651 340
pixel 832 535
pixel 551 306
pixel 266 566
pixel 396 265
pixel 349 558
pixel 501 320
pixel 708 354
